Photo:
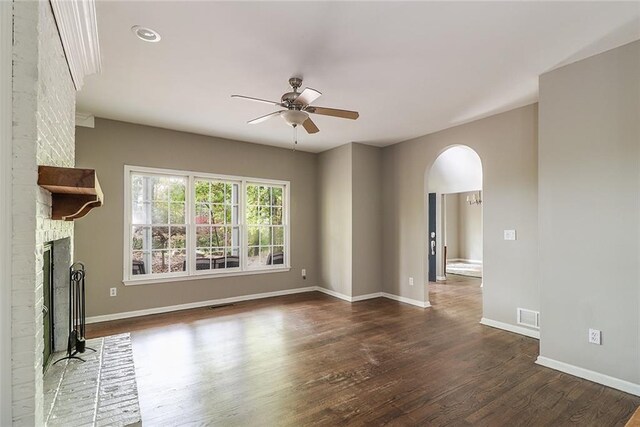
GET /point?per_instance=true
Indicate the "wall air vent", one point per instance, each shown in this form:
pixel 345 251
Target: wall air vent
pixel 528 318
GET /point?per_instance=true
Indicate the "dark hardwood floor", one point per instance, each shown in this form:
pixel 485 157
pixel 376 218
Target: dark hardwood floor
pixel 310 359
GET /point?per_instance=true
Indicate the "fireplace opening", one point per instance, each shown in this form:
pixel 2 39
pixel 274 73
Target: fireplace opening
pixel 48 305
pixel 55 289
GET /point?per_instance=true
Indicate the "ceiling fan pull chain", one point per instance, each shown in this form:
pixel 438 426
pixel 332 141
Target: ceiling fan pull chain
pixel 295 137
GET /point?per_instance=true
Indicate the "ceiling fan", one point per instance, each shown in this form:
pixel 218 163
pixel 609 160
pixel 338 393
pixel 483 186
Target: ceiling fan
pixel 298 106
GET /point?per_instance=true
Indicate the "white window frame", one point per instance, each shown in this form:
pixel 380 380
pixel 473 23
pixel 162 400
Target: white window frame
pixel 191 273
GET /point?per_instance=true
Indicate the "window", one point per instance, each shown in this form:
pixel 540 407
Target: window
pixel 183 224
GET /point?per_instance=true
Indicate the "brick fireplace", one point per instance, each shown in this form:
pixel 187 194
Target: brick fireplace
pixel 43 134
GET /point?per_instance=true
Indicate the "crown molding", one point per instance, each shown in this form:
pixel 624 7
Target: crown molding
pixel 78 28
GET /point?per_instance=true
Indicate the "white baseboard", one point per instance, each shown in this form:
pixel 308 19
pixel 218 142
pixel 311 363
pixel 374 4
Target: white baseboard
pixel 334 294
pixel 167 309
pixel 469 261
pixel 596 377
pixel 366 297
pixel 440 278
pixel 511 328
pixel 417 303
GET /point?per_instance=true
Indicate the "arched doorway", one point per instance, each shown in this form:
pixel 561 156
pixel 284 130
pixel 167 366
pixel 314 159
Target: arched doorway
pixel 455 214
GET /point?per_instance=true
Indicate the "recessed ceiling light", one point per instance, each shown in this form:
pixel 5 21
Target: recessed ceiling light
pixel 146 34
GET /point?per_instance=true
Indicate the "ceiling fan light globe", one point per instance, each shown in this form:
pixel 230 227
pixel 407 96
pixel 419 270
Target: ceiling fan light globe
pixel 295 117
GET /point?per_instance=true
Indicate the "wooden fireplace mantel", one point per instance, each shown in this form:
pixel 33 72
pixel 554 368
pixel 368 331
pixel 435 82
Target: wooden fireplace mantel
pixel 74 191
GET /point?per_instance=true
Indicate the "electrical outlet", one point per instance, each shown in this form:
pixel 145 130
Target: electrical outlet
pixel 410 281
pixel 113 292
pixel 304 273
pixel 595 336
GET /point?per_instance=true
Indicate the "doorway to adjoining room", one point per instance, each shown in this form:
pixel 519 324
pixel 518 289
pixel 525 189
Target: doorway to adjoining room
pixel 455 214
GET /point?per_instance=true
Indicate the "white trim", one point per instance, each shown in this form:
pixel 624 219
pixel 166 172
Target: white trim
pixel 334 293
pixel 185 278
pixel 511 328
pixel 596 377
pixel 86 120
pixel 168 309
pixel 417 303
pixel 468 261
pixel 366 297
pixel 6 182
pixel 441 278
pixel 78 28
pixel 347 297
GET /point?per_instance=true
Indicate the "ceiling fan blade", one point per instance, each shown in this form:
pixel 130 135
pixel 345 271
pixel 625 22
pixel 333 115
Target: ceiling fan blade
pixel 310 127
pixel 263 118
pixel 308 96
pixel 266 101
pixel 334 112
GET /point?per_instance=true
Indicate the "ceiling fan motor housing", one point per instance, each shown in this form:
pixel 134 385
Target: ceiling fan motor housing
pixel 289 98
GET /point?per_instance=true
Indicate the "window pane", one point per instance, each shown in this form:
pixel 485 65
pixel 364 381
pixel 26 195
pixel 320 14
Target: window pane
pixel 160 261
pixel 217 236
pixel 217 258
pixel 217 192
pixel 178 237
pixel 233 258
pixel 252 195
pixel 277 255
pixel 176 214
pixel 177 189
pixel 139 213
pixel 203 214
pixel 160 237
pixel 203 236
pixel 218 214
pixel 265 255
pixel 253 235
pixel 252 214
pixel 253 256
pixel 160 213
pixel 265 236
pixel 264 215
pixel 138 265
pixel 137 188
pixel 202 191
pixel 178 261
pixel 137 238
pixel 159 188
pixel 276 216
pixel 203 262
pixel 276 196
pixel 265 196
pixel 278 236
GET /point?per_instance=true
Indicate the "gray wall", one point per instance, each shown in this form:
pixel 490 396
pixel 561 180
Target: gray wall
pixel 507 146
pixel 335 224
pixel 589 210
pixel 367 226
pixel 99 236
pixel 452 216
pixel 470 229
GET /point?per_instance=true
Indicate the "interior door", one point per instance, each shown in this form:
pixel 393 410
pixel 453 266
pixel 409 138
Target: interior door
pixel 47 306
pixel 432 237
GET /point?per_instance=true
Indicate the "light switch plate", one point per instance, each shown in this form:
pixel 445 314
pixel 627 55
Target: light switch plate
pixel 509 234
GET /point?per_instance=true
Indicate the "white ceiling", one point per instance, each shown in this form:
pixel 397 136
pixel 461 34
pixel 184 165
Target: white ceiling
pixel 409 68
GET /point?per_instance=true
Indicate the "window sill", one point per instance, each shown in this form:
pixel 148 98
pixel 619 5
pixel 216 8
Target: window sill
pixel 155 280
